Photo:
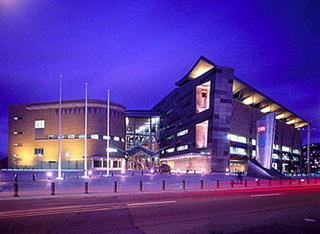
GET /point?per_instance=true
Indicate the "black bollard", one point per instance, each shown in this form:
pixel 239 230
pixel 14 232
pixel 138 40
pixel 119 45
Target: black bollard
pixel 132 173
pixel 217 184
pixel 15 190
pixel 141 172
pixel 115 187
pixel 64 176
pixel 140 187
pixel 232 183
pixel 183 184
pixel 163 185
pixel 77 175
pixel 201 184
pixel 86 187
pixel 15 178
pixel 245 183
pixel 33 177
pixel 53 188
pixel 112 173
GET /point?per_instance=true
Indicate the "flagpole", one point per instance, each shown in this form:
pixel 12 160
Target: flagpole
pixel 108 133
pixel 85 131
pixel 60 131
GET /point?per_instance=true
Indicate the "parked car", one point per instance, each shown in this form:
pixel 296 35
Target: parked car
pixel 164 168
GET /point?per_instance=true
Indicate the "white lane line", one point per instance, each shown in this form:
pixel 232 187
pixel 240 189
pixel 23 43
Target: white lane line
pixel 150 203
pixel 266 195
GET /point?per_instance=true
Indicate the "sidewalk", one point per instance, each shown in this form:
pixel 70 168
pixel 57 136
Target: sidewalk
pixel 33 184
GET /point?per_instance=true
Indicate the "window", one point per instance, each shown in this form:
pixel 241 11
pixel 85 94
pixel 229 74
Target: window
pixel 202 134
pixel 285 149
pixel 39 151
pixel 183 147
pixel 82 136
pixel 17 145
pixel 94 136
pixel 296 151
pixel 170 150
pixel 38 124
pixel 50 136
pixel 275 147
pixel 116 138
pixel 238 151
pixel 203 97
pixel 17 118
pixel 237 138
pixel 17 133
pixel 71 136
pixel 170 137
pixel 182 133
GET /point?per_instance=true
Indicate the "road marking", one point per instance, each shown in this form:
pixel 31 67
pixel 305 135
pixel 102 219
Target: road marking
pixel 150 203
pixel 266 195
pixel 310 220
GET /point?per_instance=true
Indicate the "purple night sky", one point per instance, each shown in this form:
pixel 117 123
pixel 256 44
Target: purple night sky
pixel 139 49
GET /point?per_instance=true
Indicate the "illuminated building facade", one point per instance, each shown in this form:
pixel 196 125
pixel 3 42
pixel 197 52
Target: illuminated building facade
pixel 209 123
pixel 34 130
pixel 314 158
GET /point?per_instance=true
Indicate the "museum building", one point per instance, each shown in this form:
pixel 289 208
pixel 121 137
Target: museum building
pixel 211 122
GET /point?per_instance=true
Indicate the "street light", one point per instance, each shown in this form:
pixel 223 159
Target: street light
pixel 15 159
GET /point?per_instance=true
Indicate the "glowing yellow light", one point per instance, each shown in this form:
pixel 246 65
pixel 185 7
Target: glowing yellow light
pixel 248 100
pixel 291 121
pixel 266 109
pixel 201 68
pixel 280 116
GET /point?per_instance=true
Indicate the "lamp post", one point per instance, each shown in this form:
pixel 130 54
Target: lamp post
pixel 15 159
pixel 68 157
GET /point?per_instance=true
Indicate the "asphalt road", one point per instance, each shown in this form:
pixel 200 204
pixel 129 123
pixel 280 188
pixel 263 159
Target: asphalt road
pixel 267 210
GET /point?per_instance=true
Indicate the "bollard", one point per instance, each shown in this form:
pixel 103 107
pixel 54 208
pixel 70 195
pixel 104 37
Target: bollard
pixel 280 182
pixel 141 172
pixel 140 187
pixel 86 187
pixel 101 174
pixel 64 176
pixel 232 183
pixel 258 182
pixel 15 190
pixel 194 171
pixel 269 182
pixel 183 184
pixel 77 175
pixel 115 187
pixel 217 184
pixel 112 173
pixel 201 184
pixel 132 173
pixel 33 177
pixel 163 185
pixel 246 183
pixel 53 188
pixel 15 178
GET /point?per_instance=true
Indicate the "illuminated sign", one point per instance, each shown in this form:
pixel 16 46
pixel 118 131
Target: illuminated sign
pixel 261 129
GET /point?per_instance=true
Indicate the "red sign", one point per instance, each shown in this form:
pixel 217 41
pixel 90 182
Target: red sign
pixel 261 129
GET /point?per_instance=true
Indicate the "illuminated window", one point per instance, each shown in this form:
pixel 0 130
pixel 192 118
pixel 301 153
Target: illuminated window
pixel 239 151
pixel 17 145
pixel 254 153
pixel 82 136
pixel 106 137
pixel 170 137
pixel 285 149
pixel 202 134
pixel 17 133
pixel 182 133
pixel 94 136
pixel 275 156
pixel 296 151
pixel 71 136
pixel 17 118
pixel 183 147
pixel 116 138
pixel 237 138
pixel 170 150
pixel 203 97
pixel 50 136
pixel 276 147
pixel 253 141
pixel 38 124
